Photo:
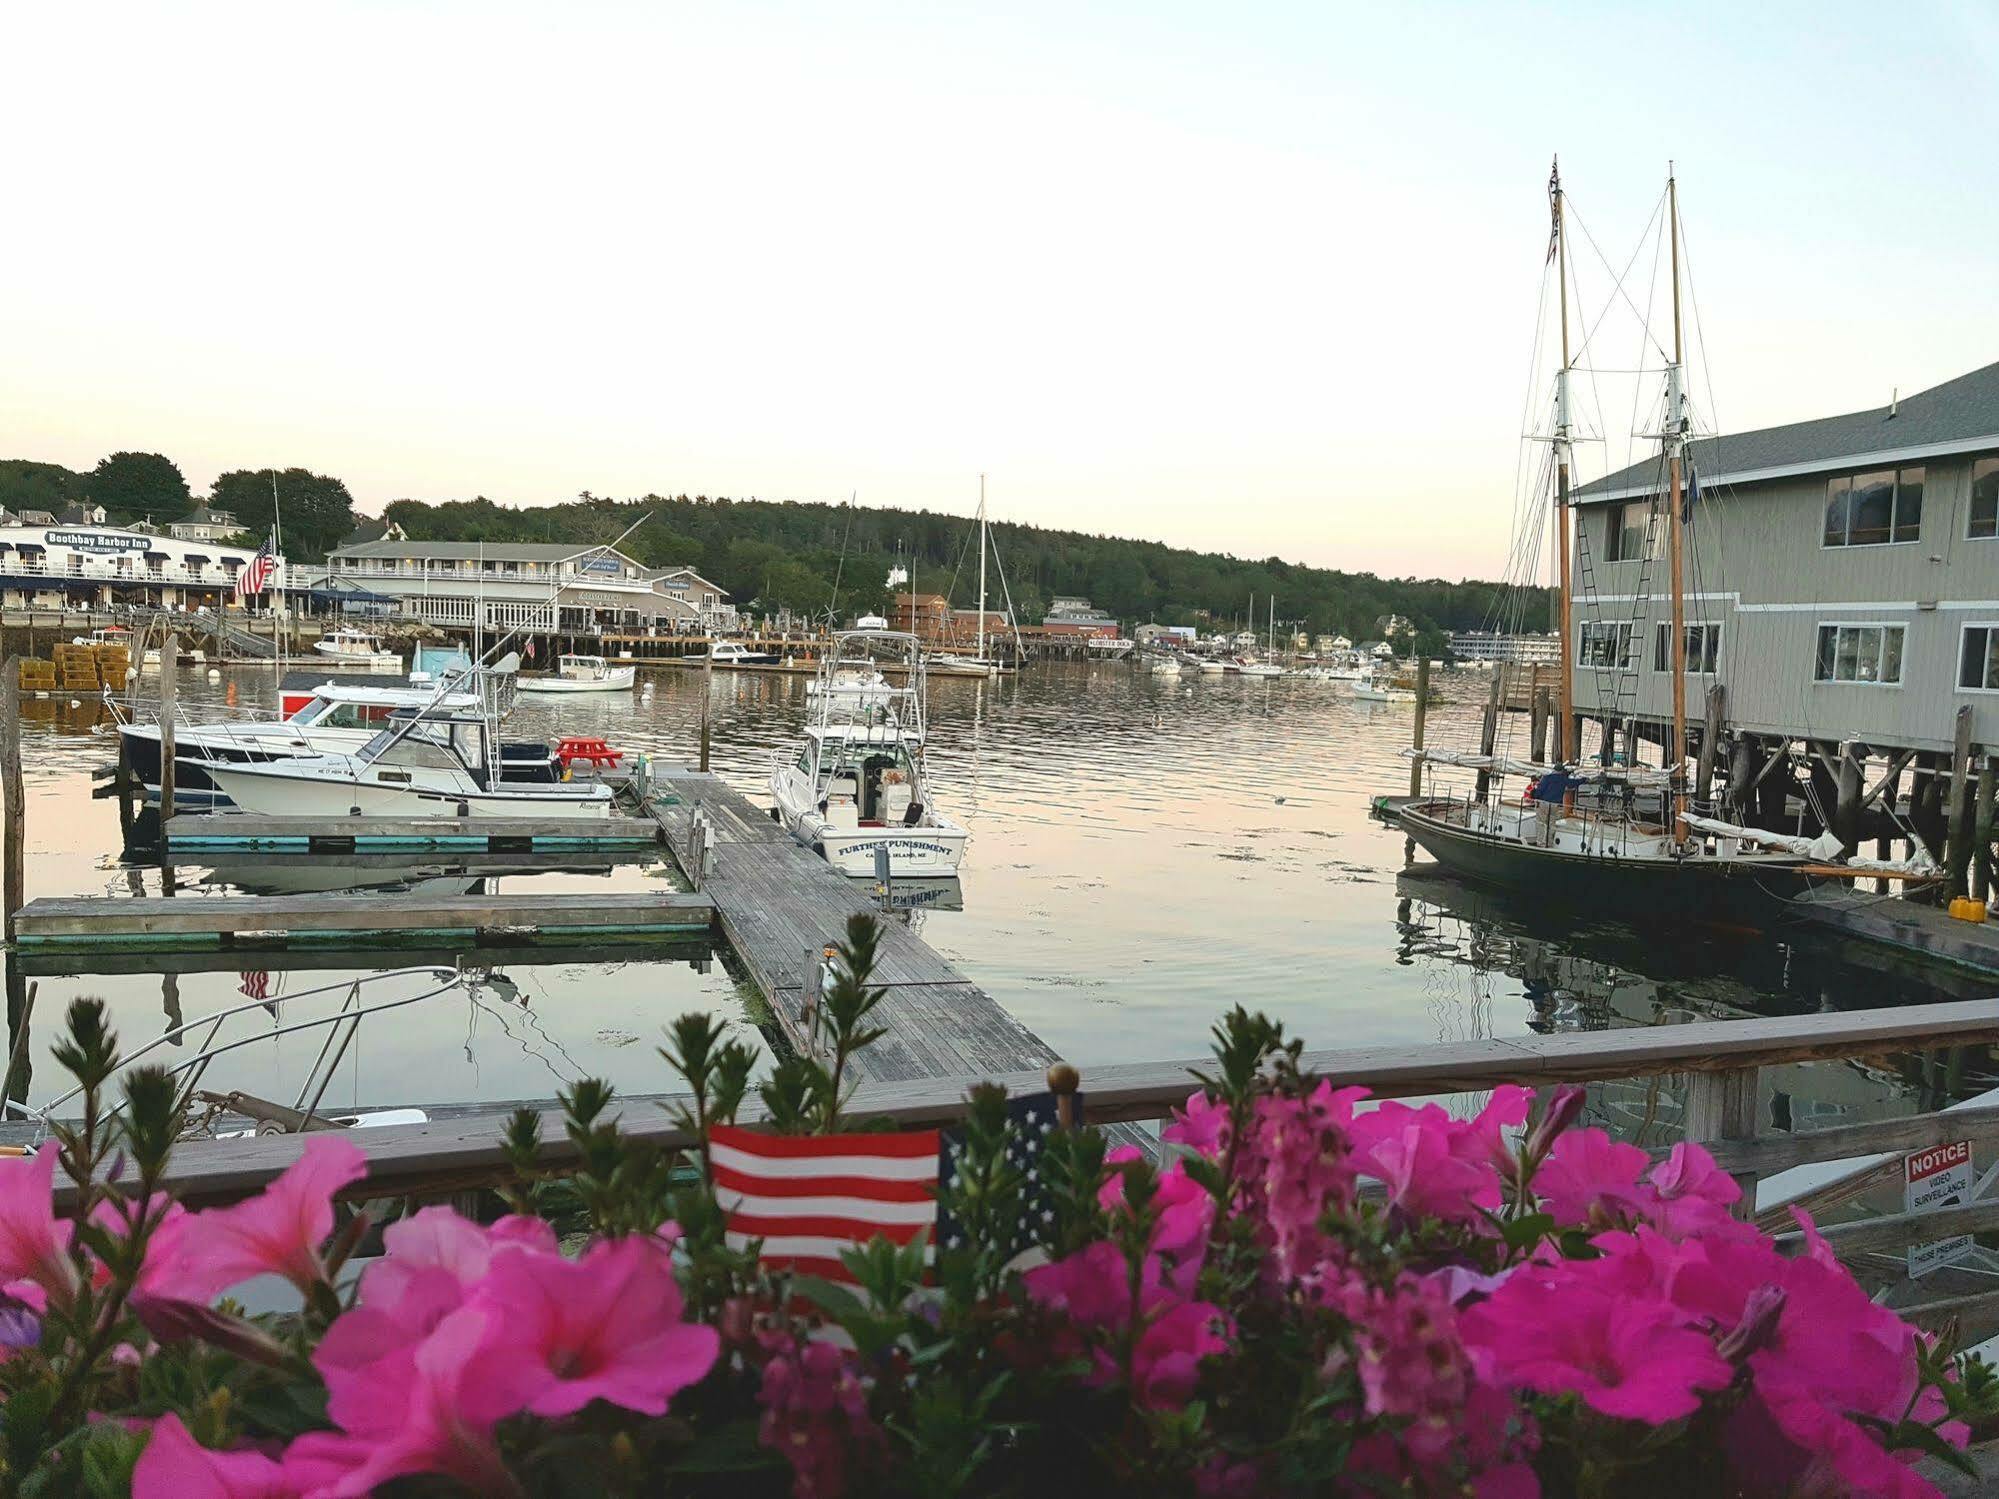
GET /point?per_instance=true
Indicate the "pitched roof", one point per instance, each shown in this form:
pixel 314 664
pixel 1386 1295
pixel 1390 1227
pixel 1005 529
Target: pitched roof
pixel 206 517
pixel 473 551
pixel 1960 415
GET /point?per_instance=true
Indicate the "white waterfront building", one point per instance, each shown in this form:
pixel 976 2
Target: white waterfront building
pixel 1518 650
pixel 556 587
pixel 94 567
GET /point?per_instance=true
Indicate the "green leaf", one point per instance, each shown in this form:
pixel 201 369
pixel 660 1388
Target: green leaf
pixel 836 1301
pixel 1524 1233
pixel 731 1448
pixel 1925 1439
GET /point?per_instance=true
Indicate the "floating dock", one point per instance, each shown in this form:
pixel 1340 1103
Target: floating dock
pixel 254 922
pixel 778 903
pixel 1925 931
pixel 187 831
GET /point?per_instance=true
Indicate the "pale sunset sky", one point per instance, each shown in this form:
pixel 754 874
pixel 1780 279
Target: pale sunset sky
pixel 1256 277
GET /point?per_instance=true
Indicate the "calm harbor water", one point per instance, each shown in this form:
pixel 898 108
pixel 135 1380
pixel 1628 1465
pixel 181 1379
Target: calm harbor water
pixel 1145 853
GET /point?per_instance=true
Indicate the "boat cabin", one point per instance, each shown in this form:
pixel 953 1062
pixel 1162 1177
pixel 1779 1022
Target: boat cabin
pixel 583 668
pixel 864 779
pixel 356 708
pixel 432 742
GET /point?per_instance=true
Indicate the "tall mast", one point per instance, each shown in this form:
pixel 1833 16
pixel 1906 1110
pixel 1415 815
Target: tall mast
pixel 1676 442
pixel 982 567
pixel 1564 603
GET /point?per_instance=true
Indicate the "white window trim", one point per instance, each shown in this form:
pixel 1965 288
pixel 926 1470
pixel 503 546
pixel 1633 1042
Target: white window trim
pixel 1659 625
pixel 1964 629
pixel 1976 459
pixel 1860 624
pixel 1893 504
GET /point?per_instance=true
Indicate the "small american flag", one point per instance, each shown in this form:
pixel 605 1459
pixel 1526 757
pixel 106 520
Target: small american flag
pixel 251 580
pixel 808 1197
pixel 256 984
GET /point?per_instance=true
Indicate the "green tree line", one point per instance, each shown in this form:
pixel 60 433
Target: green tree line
pixel 791 555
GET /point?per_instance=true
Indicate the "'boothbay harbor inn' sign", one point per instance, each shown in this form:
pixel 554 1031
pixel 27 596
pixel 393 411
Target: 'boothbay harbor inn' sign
pixel 100 541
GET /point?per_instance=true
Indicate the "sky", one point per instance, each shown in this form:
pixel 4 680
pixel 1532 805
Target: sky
pixel 1257 278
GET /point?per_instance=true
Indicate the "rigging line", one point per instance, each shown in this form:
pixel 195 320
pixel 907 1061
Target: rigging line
pixel 1618 281
pixel 1638 384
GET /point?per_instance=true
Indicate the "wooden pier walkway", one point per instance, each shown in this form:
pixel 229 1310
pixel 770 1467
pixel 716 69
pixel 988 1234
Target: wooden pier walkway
pixel 776 902
pixel 278 921
pixel 245 830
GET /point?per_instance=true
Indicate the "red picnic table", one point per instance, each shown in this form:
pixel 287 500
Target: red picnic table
pixel 574 747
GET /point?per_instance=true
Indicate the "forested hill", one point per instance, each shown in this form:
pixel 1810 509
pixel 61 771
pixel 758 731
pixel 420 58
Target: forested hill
pixel 788 555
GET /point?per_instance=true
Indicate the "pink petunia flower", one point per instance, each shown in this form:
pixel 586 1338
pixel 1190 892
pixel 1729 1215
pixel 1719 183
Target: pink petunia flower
pixel 34 1244
pixel 277 1232
pixel 1692 1195
pixel 405 1413
pixel 1202 1126
pixel 1185 1208
pixel 1591 1180
pixel 605 1327
pixel 1625 1357
pixel 1166 1361
pixel 431 1239
pixel 175 1466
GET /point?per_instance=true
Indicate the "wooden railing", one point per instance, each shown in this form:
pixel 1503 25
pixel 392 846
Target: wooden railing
pixel 1719 1061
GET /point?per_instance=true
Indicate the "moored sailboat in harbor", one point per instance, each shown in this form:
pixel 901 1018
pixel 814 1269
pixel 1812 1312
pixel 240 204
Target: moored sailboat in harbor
pixel 1605 828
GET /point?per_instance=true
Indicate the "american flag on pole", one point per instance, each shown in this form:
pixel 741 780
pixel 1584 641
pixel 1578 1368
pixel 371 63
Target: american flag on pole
pixel 808 1197
pixel 251 580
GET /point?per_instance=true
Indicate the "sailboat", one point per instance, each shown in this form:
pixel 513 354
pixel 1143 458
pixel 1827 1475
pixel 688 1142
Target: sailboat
pixel 1268 668
pixel 980 662
pixel 1606 830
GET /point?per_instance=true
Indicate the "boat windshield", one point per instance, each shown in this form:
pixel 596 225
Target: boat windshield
pixel 879 781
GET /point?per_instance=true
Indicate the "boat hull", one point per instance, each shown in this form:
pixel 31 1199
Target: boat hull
pixel 620 680
pixel 913 853
pixel 274 791
pixel 1602 877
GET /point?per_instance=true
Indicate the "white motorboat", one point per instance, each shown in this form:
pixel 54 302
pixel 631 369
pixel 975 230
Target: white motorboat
pixel 857 678
pixel 433 764
pixel 583 674
pixel 855 787
pixel 1213 668
pixel 1259 669
pixel 735 653
pixel 353 647
pixel 1378 687
pixel 1166 666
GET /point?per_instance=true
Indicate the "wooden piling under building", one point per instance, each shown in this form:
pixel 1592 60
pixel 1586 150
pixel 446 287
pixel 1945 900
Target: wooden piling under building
pixel 778 904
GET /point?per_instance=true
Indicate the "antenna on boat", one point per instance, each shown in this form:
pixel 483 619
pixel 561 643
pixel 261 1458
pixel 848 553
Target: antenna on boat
pixel 1675 436
pixel 1558 249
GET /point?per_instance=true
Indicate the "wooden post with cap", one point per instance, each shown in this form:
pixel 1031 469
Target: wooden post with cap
pixel 1063 1081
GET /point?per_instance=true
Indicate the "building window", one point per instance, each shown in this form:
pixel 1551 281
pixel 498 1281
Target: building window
pixel 1978 659
pixel 1984 497
pixel 1609 646
pixel 1703 647
pixel 1874 509
pixel 1629 530
pixel 1860 653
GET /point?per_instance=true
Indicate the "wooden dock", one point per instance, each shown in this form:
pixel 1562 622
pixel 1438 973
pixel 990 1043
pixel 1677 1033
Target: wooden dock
pixel 239 922
pixel 776 902
pixel 244 830
pixel 1911 927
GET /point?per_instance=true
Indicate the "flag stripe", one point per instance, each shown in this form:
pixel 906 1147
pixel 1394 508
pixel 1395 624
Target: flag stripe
pixel 858 1188
pixel 775 1150
pixel 825 1226
pixel 884 1172
pixel 782 1248
pixel 860 1209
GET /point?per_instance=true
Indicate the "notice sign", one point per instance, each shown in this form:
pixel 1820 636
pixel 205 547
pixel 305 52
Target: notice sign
pixel 1939 1177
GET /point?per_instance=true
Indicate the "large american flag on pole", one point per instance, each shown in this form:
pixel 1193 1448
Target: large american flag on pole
pixel 252 579
pixel 808 1197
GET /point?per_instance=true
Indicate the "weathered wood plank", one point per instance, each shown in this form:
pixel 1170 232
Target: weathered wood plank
pixel 240 830
pixel 1893 1234
pixel 404 1157
pixel 249 920
pixel 1769 1154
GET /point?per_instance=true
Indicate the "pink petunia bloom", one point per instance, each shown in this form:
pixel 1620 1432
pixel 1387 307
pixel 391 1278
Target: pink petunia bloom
pixel 1591 1180
pixel 1625 1357
pixel 405 1413
pixel 1185 1208
pixel 431 1239
pixel 1692 1195
pixel 277 1232
pixel 1433 1166
pixel 1202 1126
pixel 175 1466
pixel 1166 1362
pixel 1092 1287
pixel 34 1244
pixel 605 1327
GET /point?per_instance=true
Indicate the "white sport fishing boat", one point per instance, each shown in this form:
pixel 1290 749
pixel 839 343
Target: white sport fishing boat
pixel 735 653
pixel 352 647
pixel 583 674
pixel 430 763
pixel 856 785
pixel 1381 687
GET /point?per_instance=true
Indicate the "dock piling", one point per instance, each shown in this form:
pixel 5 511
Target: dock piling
pixel 12 884
pixel 707 694
pixel 1981 838
pixel 1488 733
pixel 1416 733
pixel 1717 701
pixel 169 672
pixel 1957 836
pixel 1537 726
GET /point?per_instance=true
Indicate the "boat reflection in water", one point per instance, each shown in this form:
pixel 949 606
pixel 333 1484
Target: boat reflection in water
pixel 1580 972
